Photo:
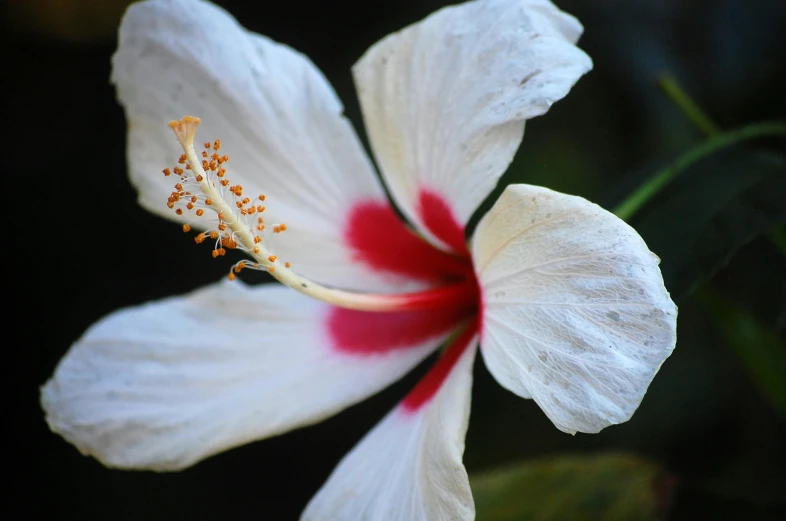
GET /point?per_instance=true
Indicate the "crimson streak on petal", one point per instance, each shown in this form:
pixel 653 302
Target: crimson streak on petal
pixel 369 333
pixel 438 217
pixel 384 243
pixel 428 386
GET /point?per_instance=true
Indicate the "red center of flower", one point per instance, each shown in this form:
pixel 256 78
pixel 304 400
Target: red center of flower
pixel 382 242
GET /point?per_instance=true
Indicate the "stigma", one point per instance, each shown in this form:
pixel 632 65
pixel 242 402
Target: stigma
pixel 232 220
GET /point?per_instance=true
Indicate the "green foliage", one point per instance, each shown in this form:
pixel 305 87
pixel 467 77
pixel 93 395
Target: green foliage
pixel 607 487
pixel 761 350
pixel 710 211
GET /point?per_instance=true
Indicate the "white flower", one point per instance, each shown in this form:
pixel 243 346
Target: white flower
pixel 565 300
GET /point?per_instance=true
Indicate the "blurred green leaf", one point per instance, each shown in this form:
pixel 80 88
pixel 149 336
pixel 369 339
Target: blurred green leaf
pixel 761 350
pixel 718 205
pixel 606 487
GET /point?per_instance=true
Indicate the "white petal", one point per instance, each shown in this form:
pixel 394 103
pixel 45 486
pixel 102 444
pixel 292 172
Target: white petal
pixel 278 118
pixel 168 383
pixel 445 101
pixel 575 314
pixel 408 468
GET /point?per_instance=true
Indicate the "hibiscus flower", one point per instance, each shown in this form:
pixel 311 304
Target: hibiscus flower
pixel 563 299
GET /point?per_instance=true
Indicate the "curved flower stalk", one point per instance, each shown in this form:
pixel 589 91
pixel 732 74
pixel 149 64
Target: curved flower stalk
pixel 565 300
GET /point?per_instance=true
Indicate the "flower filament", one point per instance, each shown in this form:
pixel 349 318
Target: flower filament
pixel 203 186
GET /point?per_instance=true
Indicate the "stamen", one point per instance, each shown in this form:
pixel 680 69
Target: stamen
pixel 202 186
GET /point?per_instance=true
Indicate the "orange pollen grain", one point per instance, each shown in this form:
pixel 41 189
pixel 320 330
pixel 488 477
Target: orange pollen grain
pixel 288 264
pixel 167 172
pixel 231 276
pixel 200 212
pixel 186 228
pixel 199 238
pixel 272 258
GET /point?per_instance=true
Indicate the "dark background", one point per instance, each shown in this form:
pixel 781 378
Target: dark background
pixel 81 248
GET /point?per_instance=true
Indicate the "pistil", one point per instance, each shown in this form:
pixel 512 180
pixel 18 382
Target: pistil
pixel 235 230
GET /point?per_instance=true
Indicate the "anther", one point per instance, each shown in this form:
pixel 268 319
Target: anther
pixel 200 212
pixel 186 228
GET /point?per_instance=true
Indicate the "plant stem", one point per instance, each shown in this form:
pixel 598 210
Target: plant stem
pixel 645 192
pixel 686 104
